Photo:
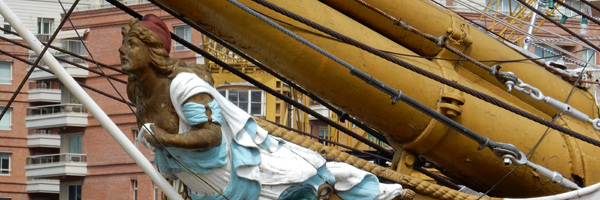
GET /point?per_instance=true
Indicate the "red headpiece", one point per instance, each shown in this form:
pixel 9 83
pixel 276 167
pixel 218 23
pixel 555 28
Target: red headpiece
pixel 158 27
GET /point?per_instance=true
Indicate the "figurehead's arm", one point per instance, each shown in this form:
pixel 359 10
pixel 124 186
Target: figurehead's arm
pixel 202 135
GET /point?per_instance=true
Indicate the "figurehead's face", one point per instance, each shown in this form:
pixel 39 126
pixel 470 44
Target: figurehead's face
pixel 135 54
pixel 142 50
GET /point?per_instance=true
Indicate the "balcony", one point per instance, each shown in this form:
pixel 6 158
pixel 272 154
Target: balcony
pixel 43 186
pixel 56 165
pixel 44 92
pixel 75 72
pixel 43 138
pixel 58 115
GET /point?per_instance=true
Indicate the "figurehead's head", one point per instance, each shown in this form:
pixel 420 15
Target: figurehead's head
pixel 151 33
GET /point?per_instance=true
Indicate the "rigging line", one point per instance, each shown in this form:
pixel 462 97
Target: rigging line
pixel 417 56
pixel 326 140
pixel 268 89
pixel 71 53
pixel 63 60
pixel 579 12
pixel 547 129
pixel 467 5
pixel 561 26
pixel 495 61
pixel 525 23
pixel 80 83
pixel 39 58
pixel 591 5
pixel 339 112
pixel 395 94
pixel 391 91
pixel 222 64
pixel 125 8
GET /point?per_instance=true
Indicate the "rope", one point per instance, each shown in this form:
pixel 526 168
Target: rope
pixel 420 186
pixel 339 112
pixel 388 90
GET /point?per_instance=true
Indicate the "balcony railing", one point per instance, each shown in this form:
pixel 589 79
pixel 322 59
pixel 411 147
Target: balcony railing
pixel 55 109
pixel 56 158
pixel 42 85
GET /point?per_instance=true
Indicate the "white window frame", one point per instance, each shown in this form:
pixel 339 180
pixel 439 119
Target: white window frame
pixel 9 153
pixel 135 132
pixel 40 27
pixel 249 108
pixel 585 55
pixel 10 68
pixel 177 46
pixel 9 115
pixel 134 187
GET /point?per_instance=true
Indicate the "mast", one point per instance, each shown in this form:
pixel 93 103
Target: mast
pixel 88 102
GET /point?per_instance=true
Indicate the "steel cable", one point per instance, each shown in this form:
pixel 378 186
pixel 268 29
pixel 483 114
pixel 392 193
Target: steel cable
pixel 396 95
pixel 337 111
pixel 413 68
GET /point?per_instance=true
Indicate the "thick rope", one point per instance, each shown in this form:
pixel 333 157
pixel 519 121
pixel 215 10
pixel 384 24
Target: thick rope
pixel 332 154
pixel 389 90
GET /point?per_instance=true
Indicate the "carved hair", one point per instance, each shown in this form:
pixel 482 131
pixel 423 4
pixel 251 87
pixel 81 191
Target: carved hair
pixel 159 58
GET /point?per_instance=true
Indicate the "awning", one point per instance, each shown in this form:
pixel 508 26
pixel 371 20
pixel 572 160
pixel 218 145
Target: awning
pixel 71 33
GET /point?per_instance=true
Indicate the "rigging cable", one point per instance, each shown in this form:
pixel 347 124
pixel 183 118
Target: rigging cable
pixel 543 135
pixel 404 64
pixel 137 117
pixel 80 83
pixel 395 94
pixel 268 89
pixel 596 48
pixel 339 112
pixel 63 60
pixel 39 58
pixel 520 30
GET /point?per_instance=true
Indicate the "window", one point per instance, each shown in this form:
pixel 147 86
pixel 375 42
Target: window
pixel 134 132
pixel 155 192
pixel 5 198
pixel 545 52
pixel 44 25
pixel 134 186
pixel 184 32
pixel 7 27
pixel 5 73
pixel 589 55
pixel 574 4
pixel 75 144
pixel 504 5
pixel 251 101
pixel 5 122
pixel 74 192
pixel 5 163
pixel 74 46
pixel 323 133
